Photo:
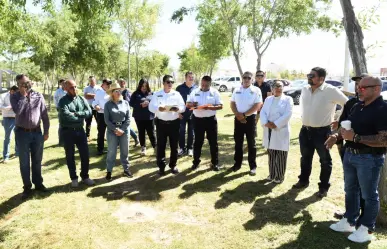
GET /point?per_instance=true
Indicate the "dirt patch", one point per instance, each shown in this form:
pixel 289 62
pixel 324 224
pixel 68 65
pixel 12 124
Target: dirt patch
pixel 135 213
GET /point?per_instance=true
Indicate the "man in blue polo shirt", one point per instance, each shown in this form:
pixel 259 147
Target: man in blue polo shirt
pixel 185 90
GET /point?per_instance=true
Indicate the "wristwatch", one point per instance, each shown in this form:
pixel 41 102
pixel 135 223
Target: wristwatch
pixel 356 138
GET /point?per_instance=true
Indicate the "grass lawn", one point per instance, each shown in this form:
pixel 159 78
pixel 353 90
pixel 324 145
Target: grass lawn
pixel 201 209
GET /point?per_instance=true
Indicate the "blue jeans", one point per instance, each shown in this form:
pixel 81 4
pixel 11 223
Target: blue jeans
pixel 60 135
pixel 113 141
pixel 30 146
pixel 9 126
pixel 71 138
pixel 133 134
pixel 186 120
pixel 362 172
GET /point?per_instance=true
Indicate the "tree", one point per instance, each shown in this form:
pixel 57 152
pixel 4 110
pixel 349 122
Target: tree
pixel 355 38
pixel 268 20
pixel 137 20
pixel 192 60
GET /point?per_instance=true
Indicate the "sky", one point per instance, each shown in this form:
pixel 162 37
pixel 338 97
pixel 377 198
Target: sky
pixel 299 53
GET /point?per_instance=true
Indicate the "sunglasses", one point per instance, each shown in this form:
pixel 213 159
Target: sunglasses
pixel 363 88
pixel 259 76
pixel 169 82
pixel 116 91
pixel 310 76
pixel 247 78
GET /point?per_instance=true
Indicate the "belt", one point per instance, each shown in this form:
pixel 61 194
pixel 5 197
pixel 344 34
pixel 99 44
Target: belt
pixel 212 117
pixel 166 122
pixel 374 151
pixel 9 117
pixel 118 123
pixel 29 130
pixel 315 128
pixel 73 128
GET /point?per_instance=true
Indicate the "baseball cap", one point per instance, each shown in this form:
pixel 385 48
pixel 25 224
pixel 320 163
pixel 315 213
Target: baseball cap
pixel 247 74
pixel 363 75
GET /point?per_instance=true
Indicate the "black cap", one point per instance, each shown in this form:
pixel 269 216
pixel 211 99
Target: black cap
pixel 107 81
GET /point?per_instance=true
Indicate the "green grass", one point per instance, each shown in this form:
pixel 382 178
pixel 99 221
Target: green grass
pixel 201 209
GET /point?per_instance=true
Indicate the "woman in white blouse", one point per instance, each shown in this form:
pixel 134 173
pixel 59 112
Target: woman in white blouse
pixel 275 116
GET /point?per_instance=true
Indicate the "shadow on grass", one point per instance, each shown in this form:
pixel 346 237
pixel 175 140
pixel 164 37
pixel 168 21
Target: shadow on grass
pixel 319 235
pixel 145 188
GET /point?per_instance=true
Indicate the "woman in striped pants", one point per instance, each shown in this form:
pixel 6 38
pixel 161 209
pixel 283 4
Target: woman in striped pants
pixel 275 116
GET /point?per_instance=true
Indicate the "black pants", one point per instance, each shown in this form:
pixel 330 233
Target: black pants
pixel 208 126
pixel 186 124
pixel 148 126
pixel 311 140
pixel 71 138
pixel 101 126
pixel 165 130
pixel 240 130
pixel 89 120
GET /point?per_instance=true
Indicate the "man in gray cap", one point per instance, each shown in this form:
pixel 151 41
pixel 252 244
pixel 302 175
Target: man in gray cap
pixel 246 100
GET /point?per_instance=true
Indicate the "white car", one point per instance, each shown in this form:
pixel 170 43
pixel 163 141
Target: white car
pixel 227 83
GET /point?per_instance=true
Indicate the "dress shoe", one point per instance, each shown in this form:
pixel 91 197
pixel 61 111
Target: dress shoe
pixel 300 185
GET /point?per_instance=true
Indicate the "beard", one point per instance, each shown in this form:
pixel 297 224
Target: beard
pixel 310 82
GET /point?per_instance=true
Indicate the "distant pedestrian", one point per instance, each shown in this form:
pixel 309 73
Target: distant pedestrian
pixel 59 93
pixel 89 94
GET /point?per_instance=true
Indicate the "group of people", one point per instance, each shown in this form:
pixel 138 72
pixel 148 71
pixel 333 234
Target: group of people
pixel 192 109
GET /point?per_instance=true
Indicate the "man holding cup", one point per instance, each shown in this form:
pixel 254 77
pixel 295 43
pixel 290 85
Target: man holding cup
pixel 318 104
pixel 366 142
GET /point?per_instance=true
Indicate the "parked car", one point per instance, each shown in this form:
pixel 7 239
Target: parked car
pixel 335 83
pixel 294 90
pixel 227 83
pixel 285 82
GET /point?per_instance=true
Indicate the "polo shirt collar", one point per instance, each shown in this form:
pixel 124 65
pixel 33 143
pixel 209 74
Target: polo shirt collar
pixel 321 88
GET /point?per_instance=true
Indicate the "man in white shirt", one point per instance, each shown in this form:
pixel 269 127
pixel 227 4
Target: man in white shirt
pixel 246 100
pixel 166 104
pixel 59 93
pixel 205 101
pixel 100 99
pixel 89 94
pixel 318 105
pixel 8 122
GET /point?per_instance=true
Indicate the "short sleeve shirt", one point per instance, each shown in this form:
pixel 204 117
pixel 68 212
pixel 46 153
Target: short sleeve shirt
pixel 245 98
pixel 265 89
pixel 368 120
pixel 90 89
pixel 211 96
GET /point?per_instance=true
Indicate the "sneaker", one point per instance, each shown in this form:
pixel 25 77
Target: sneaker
pixel 300 185
pixel 136 142
pixel 195 166
pixel 215 167
pixel 143 151
pixel 127 173
pixel 322 193
pixel 361 235
pixel 235 168
pixel 181 152
pixel 26 194
pixel 41 188
pixel 343 226
pixel 190 153
pixel 74 183
pixel 175 171
pixel 253 172
pixel 277 181
pixel 108 176
pixel 269 179
pixel 88 182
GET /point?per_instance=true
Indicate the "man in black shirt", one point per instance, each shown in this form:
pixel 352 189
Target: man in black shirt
pixel 261 84
pixel 364 158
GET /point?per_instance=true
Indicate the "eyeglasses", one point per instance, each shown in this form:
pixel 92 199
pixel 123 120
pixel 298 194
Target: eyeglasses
pixel 247 78
pixel 73 87
pixel 310 76
pixel 363 88
pixel 169 82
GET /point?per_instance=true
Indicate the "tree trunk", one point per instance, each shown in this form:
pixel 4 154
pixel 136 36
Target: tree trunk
pixel 259 61
pixel 355 37
pixel 129 67
pixel 382 218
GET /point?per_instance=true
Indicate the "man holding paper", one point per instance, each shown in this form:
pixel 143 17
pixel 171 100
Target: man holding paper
pixel 365 133
pixel 167 104
pixel 205 102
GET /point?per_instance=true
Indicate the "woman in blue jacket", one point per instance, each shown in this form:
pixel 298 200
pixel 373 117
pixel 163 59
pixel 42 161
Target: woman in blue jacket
pixel 144 118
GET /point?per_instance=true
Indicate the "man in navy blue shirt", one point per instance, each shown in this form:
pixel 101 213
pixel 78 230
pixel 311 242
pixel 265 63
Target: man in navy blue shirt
pixel 185 89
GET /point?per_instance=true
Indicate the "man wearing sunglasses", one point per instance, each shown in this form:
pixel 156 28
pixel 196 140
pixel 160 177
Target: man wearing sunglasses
pixel 364 157
pixel 30 109
pixel 167 104
pixel 262 85
pixel 73 110
pixel 101 97
pixel 246 100
pixel 318 105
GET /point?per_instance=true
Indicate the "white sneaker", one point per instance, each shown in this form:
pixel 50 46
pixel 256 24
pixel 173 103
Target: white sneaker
pixel 190 153
pixel 143 151
pixel 361 235
pixel 269 178
pixel 88 182
pixel 74 183
pixel 343 226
